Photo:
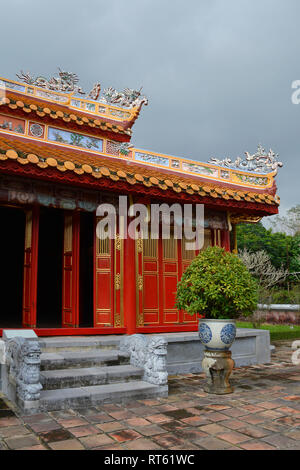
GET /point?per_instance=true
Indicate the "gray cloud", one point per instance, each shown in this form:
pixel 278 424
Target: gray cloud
pixel 217 73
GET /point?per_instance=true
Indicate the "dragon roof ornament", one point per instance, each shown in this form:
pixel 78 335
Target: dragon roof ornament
pixel 128 98
pixel 67 82
pixel 260 162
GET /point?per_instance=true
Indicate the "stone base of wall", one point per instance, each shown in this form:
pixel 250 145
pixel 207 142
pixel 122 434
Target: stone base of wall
pixel 185 352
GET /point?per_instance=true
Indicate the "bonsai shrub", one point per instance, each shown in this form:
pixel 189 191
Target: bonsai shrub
pixel 217 285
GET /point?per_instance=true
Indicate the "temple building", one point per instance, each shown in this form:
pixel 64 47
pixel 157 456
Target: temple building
pixel 62 154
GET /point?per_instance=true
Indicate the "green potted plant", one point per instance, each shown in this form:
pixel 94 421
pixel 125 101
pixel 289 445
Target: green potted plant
pixel 217 287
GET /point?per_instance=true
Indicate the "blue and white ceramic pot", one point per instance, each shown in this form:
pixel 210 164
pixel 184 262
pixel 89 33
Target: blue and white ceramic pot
pixel 217 335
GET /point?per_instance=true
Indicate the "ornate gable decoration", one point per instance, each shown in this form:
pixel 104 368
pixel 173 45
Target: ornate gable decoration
pixel 259 162
pixel 67 82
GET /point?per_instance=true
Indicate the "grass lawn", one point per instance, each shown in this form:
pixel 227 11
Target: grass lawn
pixel 276 331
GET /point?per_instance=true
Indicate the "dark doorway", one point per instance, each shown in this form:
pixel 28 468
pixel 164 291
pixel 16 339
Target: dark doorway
pixel 49 288
pixel 86 273
pixel 12 241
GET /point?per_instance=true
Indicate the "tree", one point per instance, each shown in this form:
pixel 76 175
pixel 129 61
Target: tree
pixel 283 249
pixel 260 266
pixel 290 223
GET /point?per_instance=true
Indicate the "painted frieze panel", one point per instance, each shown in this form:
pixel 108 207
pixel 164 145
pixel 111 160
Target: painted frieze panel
pixel 11 124
pixel 253 180
pixel 202 170
pixel 151 158
pixel 72 138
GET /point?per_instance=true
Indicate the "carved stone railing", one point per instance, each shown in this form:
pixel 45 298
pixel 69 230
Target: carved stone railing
pixel 21 374
pixel 149 353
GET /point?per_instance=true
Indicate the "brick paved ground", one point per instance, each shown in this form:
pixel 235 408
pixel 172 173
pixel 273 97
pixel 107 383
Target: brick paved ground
pixel 262 413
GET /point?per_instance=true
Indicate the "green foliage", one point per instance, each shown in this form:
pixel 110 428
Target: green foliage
pixel 277 332
pixel 283 296
pixel 217 285
pixel 283 249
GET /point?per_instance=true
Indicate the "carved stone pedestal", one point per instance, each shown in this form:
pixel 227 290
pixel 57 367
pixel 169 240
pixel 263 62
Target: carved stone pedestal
pixel 217 366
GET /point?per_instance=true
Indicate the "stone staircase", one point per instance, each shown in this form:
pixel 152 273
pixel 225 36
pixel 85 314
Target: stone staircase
pixel 78 372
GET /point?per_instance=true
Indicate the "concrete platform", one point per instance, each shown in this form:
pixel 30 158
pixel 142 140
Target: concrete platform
pixel 185 352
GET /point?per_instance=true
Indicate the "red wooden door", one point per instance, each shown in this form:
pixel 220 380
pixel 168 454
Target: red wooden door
pixel 159 266
pixel 168 281
pixel 103 282
pixel 70 302
pixel 148 283
pixel 30 268
pixel 185 257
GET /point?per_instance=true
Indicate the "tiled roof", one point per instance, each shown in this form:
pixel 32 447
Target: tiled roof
pixel 80 162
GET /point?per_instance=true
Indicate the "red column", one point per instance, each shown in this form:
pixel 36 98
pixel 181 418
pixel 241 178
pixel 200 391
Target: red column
pixel 225 239
pixel 129 286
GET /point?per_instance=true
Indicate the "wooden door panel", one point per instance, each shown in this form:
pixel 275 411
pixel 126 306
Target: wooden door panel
pixel 30 268
pixel 103 286
pixel 70 305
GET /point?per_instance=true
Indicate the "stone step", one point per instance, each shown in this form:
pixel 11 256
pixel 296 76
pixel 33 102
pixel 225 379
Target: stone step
pixel 75 343
pixel 79 359
pixel 82 397
pixel 70 378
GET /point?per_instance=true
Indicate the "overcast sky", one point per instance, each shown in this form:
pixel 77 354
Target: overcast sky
pixel 217 73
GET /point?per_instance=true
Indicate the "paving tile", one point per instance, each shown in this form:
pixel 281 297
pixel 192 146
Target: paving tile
pixel 142 444
pixel 233 424
pixel 213 429
pixel 235 412
pixel 37 447
pixel 254 419
pixel 191 434
pixel 254 431
pixel 279 440
pixel 271 414
pixel 150 430
pixel 174 426
pixel 13 431
pixel 148 402
pixel 256 445
pixel 178 414
pixel 21 441
pixel 159 418
pixel 99 418
pixel 169 440
pixel 96 440
pixel 194 421
pixel 213 443
pixel 215 417
pixel 111 426
pixel 233 437
pixel 56 435
pixel 45 426
pixel 10 422
pixel 72 423
pixel 123 414
pixel 132 422
pixel 218 407
pixel 82 431
pixel 125 435
pixel 294 435
pixel 71 444
pixel 37 418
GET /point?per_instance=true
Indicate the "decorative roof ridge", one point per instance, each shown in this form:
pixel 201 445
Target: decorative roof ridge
pixel 100 122
pixel 260 162
pixel 136 178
